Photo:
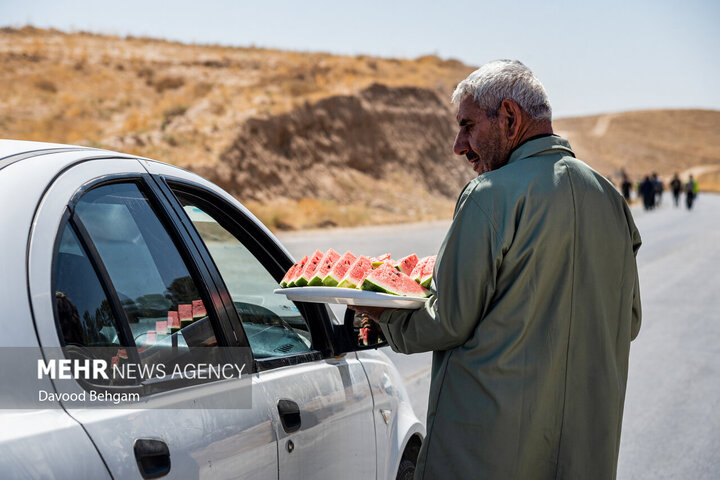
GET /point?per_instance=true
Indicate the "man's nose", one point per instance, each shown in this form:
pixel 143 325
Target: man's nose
pixel 460 147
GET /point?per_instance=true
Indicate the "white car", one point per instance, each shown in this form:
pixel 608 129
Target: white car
pixel 104 250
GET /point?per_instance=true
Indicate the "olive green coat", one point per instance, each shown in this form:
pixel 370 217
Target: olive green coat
pixel 537 301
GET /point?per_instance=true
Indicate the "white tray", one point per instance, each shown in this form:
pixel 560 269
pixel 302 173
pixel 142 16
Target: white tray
pixel 349 296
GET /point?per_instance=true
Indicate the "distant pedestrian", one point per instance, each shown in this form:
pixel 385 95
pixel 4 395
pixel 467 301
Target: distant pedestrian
pixel 676 187
pixel 626 186
pixel 691 191
pixel 647 192
pixel 659 188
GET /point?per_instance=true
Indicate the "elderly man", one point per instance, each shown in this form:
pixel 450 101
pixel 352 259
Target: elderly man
pixel 536 301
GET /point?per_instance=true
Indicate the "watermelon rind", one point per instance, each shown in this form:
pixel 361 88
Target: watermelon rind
pixel 326 264
pixel 330 280
pixel 381 278
pixel 380 259
pixel 371 286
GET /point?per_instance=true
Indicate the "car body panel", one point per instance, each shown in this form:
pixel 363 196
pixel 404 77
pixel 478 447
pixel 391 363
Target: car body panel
pixel 337 430
pixel 46 444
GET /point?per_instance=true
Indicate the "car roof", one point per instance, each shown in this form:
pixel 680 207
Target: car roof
pixel 9 148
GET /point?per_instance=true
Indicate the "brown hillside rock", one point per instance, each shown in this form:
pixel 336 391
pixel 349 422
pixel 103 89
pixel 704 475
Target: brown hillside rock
pixel 340 147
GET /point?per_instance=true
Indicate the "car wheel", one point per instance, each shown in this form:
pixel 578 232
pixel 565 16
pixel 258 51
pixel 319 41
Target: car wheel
pixel 406 471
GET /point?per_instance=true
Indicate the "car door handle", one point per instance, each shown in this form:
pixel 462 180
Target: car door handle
pixel 152 456
pixel 289 415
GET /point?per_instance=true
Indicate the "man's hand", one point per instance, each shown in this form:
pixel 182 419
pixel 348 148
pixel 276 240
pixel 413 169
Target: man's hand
pixel 372 312
pixel 369 331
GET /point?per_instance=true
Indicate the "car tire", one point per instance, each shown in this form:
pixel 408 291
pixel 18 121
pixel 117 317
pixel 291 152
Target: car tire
pixel 406 471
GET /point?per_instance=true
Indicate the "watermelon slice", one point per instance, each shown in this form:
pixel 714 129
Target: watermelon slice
pixel 297 272
pixel 161 327
pixel 198 310
pixel 406 264
pixel 289 275
pixel 309 270
pixel 356 273
pixel 151 337
pixel 326 264
pixel 173 321
pixel 377 261
pixel 427 272
pixel 416 274
pixel 339 270
pixel 185 314
pixel 387 279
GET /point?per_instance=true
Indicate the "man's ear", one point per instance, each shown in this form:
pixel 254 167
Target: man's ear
pixel 511 118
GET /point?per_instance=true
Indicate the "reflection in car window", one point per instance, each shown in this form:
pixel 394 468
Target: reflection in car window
pixel 83 310
pixel 273 324
pixel 162 303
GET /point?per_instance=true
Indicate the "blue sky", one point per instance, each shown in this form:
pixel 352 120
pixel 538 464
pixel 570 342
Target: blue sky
pixel 592 56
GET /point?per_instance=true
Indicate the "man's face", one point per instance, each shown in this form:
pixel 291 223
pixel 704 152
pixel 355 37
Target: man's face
pixel 479 138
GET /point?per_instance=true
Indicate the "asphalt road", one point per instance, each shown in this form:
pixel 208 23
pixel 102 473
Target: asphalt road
pixel 671 428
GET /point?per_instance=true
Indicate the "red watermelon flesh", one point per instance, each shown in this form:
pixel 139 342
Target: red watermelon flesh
pixel 297 272
pixel 173 320
pixel 427 273
pixel 357 273
pixel 326 264
pixel 387 279
pixel 198 309
pixel 377 261
pixel 337 273
pixel 406 264
pixel 309 271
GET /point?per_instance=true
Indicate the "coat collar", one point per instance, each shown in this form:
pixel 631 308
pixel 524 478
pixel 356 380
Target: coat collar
pixel 537 146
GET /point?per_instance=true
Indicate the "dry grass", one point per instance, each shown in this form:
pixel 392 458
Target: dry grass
pixel 309 213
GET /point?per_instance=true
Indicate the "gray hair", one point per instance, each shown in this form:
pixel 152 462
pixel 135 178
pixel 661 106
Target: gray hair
pixel 505 79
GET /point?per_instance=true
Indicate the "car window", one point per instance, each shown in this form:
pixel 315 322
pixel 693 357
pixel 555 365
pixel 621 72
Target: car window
pixel 83 311
pixel 274 325
pixel 160 298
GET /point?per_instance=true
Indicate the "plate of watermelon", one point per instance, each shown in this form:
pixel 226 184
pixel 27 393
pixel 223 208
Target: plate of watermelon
pixel 359 280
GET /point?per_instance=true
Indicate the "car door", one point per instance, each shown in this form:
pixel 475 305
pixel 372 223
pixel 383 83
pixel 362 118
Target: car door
pixel 322 405
pixel 108 263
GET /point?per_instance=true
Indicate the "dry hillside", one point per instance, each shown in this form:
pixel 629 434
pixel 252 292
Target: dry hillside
pixel 642 142
pixel 305 139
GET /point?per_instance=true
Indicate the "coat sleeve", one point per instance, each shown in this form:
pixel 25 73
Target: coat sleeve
pixel 464 282
pixel 636 307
